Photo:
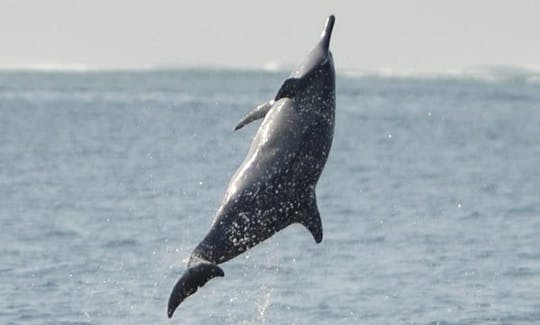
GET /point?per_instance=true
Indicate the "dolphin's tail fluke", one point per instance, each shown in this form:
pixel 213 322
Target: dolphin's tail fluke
pixel 194 277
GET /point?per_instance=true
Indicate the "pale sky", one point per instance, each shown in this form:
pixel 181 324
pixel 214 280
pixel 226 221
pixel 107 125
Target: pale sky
pixel 401 35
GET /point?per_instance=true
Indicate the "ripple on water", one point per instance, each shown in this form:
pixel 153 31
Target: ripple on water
pixel 438 223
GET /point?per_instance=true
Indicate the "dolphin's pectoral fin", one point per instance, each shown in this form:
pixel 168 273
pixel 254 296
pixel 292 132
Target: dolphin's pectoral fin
pixel 258 113
pixel 288 89
pixel 195 277
pixel 311 219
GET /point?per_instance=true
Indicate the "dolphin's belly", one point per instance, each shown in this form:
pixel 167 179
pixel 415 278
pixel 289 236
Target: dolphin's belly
pixel 266 193
pixel 291 144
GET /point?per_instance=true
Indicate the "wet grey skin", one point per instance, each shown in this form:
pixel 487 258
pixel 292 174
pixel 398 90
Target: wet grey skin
pixel 275 184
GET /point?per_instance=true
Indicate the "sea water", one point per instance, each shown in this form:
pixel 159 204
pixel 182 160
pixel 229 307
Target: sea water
pixel 430 201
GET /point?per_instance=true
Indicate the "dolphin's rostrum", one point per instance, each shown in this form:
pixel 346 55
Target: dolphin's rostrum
pixel 275 185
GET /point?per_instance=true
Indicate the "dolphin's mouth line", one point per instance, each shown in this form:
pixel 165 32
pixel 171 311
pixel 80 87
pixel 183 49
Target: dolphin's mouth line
pixel 326 58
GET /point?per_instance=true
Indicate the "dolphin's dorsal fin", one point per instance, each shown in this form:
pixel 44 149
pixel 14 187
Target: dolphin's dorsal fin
pixel 311 219
pixel 288 89
pixel 258 113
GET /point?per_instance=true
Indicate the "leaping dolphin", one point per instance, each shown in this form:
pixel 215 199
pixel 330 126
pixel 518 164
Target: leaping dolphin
pixel 275 185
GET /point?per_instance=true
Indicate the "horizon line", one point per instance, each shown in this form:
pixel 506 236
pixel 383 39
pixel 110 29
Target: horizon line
pixel 495 72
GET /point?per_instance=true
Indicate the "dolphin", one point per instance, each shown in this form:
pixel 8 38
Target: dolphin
pixel 275 184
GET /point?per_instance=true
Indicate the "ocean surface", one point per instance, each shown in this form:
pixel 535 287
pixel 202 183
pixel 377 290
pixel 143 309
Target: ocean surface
pixel 430 201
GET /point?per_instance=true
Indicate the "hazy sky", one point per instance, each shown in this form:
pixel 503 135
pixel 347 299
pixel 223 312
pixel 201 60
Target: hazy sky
pixel 401 35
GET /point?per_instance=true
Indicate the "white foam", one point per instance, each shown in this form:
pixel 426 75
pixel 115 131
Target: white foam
pixel 274 66
pixel 486 73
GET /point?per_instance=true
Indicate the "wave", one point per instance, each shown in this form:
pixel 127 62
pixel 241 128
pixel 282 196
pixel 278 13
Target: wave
pixel 49 66
pixel 277 66
pixel 487 73
pixel 483 73
pixel 70 67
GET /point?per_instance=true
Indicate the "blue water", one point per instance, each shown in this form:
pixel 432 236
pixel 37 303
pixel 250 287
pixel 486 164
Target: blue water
pixel 430 201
